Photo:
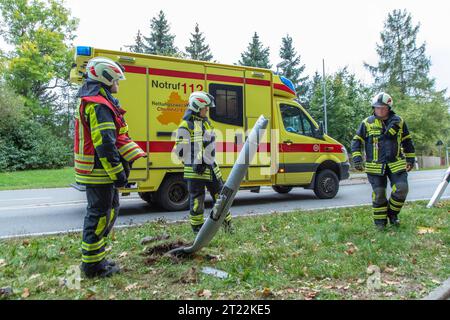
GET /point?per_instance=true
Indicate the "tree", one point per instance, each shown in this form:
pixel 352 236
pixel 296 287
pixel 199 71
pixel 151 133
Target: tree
pixel 160 42
pixel 139 45
pixel 198 49
pixel 403 64
pixel 40 33
pixel 290 65
pixel 348 103
pixel 256 55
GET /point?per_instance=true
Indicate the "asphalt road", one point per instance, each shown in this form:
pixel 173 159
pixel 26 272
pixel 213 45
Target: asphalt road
pixel 48 211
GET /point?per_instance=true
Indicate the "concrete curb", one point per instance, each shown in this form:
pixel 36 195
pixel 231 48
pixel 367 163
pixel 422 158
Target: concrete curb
pixel 441 293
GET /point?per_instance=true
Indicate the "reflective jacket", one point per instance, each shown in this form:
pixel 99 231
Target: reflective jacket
pixel 101 141
pixel 386 143
pixel 195 144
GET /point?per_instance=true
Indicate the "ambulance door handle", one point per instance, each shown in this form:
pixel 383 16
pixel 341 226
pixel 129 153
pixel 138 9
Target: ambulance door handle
pixel 238 138
pixel 288 142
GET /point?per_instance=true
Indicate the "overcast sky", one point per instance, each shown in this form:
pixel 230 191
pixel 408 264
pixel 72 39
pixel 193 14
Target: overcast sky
pixel 343 32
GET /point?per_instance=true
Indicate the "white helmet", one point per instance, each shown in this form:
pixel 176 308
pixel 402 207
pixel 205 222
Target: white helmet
pixel 104 70
pixel 382 99
pixel 199 100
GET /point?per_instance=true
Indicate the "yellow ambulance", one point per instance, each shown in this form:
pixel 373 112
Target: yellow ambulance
pixel 295 152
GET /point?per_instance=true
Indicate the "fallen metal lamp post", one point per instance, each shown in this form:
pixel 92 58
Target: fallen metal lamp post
pixel 440 190
pixel 231 187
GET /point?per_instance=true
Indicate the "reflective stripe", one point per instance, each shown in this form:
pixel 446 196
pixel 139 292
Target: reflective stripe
pixel 128 147
pixel 395 209
pixel 356 154
pixel 100 226
pixel 392 131
pixel 95 258
pixel 93 246
pixel 88 179
pixel 359 138
pixel 410 155
pixel 396 203
pixel 104 126
pixel 123 130
pixel 84 167
pixel 196 220
pixel 84 157
pixel 407 137
pixel 382 209
pixel 131 155
pixel 114 170
pixel 380 216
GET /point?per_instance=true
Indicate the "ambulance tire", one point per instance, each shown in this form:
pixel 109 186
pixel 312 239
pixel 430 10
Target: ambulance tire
pixel 173 194
pixel 326 185
pixel 282 189
pixel 148 197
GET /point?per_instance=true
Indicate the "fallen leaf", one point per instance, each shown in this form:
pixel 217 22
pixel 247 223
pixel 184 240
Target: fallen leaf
pixel 123 255
pixel 351 248
pixel 266 292
pixel 191 276
pixel 204 293
pixel 2 263
pixel 26 293
pixel 435 281
pixel 131 287
pixel 393 282
pixel 112 297
pixel 34 276
pixel 310 295
pixel 263 228
pixel 290 290
pixel 26 243
pixel 147 240
pixel 425 230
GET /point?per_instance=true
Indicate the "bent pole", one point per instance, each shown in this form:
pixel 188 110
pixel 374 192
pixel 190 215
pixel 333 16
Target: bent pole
pixel 230 188
pixel 440 190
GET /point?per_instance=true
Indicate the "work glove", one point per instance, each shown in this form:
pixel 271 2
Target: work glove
pixel 126 167
pixel 357 162
pixel 122 180
pixel 199 168
pixel 409 166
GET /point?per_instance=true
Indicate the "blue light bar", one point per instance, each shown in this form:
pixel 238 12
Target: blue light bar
pixel 287 83
pixel 84 51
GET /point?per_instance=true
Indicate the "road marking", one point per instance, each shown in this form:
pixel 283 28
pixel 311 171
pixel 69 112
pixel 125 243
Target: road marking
pixel 22 199
pixel 55 204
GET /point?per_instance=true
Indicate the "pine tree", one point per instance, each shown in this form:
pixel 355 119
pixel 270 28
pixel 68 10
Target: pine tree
pixel 290 65
pixel 160 42
pixel 256 55
pixel 403 64
pixel 198 49
pixel 139 45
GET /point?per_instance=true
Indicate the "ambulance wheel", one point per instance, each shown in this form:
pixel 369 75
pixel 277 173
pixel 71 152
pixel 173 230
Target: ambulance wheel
pixel 326 185
pixel 149 197
pixel 282 189
pixel 173 194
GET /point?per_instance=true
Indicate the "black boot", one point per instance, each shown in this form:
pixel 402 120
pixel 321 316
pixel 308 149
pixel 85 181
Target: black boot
pixel 380 224
pixel 394 221
pixel 101 270
pixel 196 229
pixel 228 227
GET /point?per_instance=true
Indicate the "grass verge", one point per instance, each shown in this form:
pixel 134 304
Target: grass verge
pixel 324 254
pixel 36 179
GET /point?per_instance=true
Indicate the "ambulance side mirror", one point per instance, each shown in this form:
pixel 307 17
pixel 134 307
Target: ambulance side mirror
pixel 319 132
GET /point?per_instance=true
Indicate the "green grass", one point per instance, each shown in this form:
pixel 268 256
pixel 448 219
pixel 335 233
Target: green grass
pixel 301 255
pixel 36 179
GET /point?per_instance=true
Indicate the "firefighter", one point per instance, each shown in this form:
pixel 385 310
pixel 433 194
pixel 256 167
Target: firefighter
pixel 103 153
pixel 390 154
pixel 195 146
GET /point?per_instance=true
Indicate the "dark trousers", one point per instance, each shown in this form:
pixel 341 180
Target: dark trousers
pixel 382 207
pixel 102 212
pixel 197 194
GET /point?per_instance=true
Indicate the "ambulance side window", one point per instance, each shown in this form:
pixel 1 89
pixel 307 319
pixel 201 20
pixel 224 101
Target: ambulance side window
pixel 229 104
pixel 295 121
